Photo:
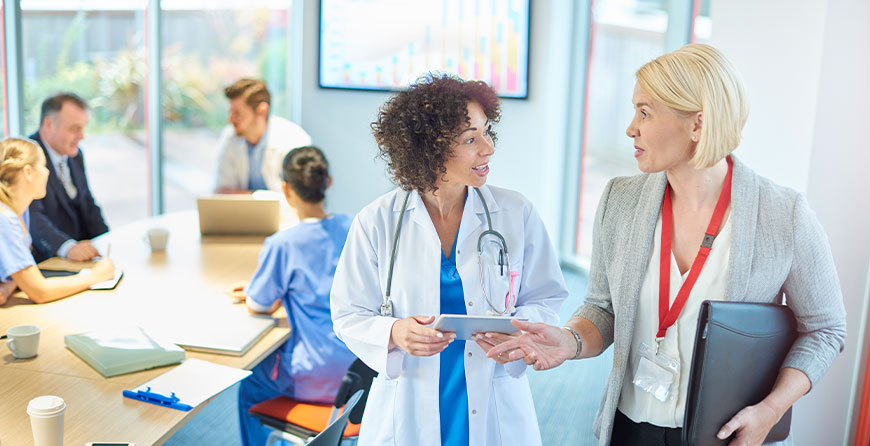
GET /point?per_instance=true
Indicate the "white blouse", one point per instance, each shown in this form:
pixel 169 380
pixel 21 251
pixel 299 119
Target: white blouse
pixel 635 403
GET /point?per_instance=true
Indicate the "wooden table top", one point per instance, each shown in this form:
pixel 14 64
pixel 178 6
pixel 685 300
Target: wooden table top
pixel 190 279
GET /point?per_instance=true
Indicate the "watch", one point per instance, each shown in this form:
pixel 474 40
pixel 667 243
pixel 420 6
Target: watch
pixel 577 340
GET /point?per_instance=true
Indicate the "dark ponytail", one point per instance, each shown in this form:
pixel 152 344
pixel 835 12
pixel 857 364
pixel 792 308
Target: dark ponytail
pixel 307 172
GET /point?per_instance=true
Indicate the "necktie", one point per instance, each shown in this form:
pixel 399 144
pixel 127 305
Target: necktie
pixel 66 179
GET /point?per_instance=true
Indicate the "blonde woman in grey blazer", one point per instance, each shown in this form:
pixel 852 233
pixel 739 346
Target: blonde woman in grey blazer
pixel 689 112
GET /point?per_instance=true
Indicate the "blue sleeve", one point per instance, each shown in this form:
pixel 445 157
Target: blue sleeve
pixel 272 278
pixel 14 250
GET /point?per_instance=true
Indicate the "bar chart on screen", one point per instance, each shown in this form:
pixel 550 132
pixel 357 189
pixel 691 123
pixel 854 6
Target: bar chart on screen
pixel 388 44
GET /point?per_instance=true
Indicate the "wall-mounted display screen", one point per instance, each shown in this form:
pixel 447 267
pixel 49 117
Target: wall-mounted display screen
pixel 388 44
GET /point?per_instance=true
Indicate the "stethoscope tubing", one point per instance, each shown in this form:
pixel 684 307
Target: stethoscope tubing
pixel 387 305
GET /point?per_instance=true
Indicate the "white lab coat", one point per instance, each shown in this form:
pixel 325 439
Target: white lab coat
pixel 402 408
pixel 282 137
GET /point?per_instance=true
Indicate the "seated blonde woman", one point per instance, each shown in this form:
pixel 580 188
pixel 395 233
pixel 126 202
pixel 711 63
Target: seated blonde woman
pixel 23 176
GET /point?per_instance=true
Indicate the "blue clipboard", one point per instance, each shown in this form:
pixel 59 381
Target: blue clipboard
pixel 148 396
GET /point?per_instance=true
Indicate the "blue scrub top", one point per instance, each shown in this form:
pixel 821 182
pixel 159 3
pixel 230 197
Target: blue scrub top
pixel 15 243
pixel 297 266
pixel 453 395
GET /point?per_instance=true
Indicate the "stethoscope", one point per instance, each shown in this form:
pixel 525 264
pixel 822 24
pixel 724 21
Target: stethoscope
pixel 503 261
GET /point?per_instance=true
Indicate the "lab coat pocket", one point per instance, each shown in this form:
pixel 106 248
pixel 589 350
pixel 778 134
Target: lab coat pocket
pixel 497 282
pixel 515 411
pixel 378 423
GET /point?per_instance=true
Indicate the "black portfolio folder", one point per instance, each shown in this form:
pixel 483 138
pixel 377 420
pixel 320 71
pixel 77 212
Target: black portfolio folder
pixel 739 349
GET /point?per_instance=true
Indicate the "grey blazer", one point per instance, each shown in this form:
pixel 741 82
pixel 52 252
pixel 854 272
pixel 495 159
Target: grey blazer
pixel 778 249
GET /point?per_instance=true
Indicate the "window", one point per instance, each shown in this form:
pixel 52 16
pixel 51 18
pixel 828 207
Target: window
pixel 702 26
pixel 98 50
pixel 624 35
pixel 206 47
pixel 97 53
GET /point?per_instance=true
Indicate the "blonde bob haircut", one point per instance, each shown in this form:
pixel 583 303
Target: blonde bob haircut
pixel 698 78
pixel 15 153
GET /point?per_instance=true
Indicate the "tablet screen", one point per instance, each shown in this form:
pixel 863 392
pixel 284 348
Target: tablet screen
pixel 466 326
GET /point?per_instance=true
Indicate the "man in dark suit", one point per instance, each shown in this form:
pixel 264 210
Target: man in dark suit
pixel 63 222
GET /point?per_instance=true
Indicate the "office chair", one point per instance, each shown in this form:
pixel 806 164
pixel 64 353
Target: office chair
pixel 331 436
pixel 300 422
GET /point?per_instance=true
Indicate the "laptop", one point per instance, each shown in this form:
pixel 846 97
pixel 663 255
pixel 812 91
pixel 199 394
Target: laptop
pixel 223 332
pixel 238 215
pixel 234 338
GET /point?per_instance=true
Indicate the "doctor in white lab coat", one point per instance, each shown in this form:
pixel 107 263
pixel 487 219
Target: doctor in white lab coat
pixel 403 407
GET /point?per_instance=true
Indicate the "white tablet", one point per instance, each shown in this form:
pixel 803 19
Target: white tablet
pixel 465 326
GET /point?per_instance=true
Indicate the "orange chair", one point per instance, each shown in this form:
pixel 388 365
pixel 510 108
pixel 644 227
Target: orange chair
pixel 300 422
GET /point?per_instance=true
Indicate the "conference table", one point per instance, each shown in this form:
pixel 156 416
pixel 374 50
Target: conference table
pixel 190 279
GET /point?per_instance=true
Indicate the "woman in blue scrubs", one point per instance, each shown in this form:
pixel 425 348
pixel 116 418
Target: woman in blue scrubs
pixel 433 389
pixel 23 176
pixel 295 269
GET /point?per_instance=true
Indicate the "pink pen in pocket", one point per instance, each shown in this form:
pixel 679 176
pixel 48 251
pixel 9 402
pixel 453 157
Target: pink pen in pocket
pixel 510 298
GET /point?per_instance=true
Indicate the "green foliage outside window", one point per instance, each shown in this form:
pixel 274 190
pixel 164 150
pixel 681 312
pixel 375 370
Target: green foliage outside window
pixel 114 84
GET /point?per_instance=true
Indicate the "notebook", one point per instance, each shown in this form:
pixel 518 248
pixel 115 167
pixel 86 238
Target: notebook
pixel 116 351
pixel 110 284
pixel 238 214
pixel 739 350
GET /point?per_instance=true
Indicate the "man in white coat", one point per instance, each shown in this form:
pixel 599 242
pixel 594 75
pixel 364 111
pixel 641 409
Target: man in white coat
pixel 254 145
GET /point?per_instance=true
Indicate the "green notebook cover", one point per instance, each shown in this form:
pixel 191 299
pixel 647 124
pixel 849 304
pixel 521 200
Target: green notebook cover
pixel 116 351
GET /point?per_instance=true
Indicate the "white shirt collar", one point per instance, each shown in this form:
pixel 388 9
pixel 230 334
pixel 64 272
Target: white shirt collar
pixel 53 155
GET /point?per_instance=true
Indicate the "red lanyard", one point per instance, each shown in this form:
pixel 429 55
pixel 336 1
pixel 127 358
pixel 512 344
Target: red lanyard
pixel 667 318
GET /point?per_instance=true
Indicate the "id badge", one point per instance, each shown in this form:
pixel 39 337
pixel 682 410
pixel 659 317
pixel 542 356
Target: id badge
pixel 656 372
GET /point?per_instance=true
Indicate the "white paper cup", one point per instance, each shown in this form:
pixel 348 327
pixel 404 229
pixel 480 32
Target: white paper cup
pixel 46 420
pixel 157 238
pixel 23 340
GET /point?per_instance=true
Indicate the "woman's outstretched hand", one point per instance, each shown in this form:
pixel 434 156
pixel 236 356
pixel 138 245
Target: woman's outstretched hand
pixel 542 346
pixel 488 340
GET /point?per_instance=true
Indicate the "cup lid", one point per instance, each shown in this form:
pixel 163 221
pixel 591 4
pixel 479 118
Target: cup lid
pixel 46 405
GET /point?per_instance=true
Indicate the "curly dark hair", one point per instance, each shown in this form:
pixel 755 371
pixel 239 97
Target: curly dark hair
pixel 417 127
